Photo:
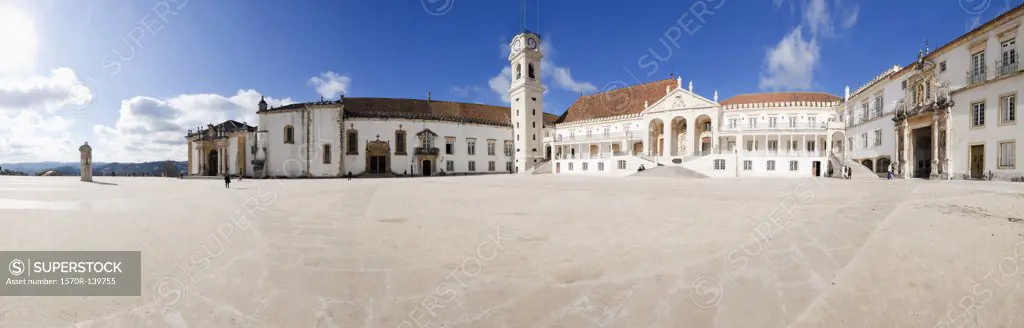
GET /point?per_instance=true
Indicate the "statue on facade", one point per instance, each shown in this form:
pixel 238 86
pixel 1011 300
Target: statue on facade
pixel 85 162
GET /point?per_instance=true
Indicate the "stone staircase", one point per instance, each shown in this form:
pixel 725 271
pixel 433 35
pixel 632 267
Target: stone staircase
pixel 670 171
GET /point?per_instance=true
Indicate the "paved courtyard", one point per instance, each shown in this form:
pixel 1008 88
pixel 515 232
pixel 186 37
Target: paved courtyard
pixel 541 251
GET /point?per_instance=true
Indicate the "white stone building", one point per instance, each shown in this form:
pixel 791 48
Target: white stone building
pixel 953 111
pixel 949 114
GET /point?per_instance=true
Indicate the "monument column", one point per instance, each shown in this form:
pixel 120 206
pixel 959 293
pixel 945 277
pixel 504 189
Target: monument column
pixel 85 163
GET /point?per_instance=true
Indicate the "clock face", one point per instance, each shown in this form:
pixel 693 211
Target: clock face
pixel 532 43
pixel 517 45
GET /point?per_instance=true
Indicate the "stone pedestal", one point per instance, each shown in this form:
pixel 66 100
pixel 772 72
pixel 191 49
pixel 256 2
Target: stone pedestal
pixel 85 163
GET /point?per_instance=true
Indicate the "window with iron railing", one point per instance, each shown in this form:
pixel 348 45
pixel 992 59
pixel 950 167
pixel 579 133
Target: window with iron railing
pixel 977 73
pixel 1008 62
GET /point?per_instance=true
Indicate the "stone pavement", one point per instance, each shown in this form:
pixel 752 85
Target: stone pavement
pixel 537 251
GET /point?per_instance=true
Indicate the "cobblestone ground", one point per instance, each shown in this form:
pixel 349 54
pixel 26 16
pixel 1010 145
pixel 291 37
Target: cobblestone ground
pixel 541 251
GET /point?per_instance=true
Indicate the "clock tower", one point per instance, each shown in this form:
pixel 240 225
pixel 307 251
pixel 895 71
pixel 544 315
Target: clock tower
pixel 526 96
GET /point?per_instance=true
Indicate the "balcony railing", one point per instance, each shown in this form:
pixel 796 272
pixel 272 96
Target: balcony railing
pixel 633 135
pixel 977 76
pixel 426 151
pixel 777 127
pixel 1007 66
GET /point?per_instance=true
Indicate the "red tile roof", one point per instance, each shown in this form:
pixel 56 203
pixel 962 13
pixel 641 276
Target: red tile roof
pixel 422 109
pixel 621 101
pixel 755 98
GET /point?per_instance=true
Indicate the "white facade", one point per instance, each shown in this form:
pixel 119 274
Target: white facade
pixel 685 129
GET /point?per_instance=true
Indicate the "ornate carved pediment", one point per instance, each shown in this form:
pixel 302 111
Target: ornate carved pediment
pixel 679 99
pixel 378 148
pixel 426 132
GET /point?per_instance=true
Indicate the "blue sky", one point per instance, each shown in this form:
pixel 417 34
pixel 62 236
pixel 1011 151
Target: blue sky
pixel 132 76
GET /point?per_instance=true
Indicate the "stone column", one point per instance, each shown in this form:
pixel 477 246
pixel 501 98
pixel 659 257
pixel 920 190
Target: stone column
pixel 85 163
pixel 947 162
pixel 666 132
pixel 935 146
pixel 906 150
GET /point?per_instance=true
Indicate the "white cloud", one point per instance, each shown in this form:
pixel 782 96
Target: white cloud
pixel 27 136
pixel 501 83
pixel 330 85
pixel 149 129
pixel 18 39
pixel 61 90
pixel 791 63
pixel 560 76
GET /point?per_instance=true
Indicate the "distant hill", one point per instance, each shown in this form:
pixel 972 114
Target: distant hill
pixel 100 169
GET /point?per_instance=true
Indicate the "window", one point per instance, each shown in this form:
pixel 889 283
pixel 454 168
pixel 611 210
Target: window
pixel 719 164
pixel 471 146
pixel 289 134
pixel 427 141
pixel 1007 156
pixel 748 165
pixel 977 67
pixel 353 142
pixel 1008 109
pixel 812 121
pixel 864 140
pixel 752 122
pixel 472 166
pixel 942 66
pixel 508 148
pixel 773 145
pixel 534 136
pixel 1009 54
pixel 733 122
pixel 584 166
pixel 771 165
pixel 530 67
pixel 400 142
pixel 327 154
pixel 450 166
pixel 534 125
pixel 878 137
pixel 449 146
pixel 978 114
pixel 792 121
pixel 773 122
pixel 622 165
pixel 490 147
pixel 904 85
pixel 600 166
pixel 490 166
pixel 534 114
pixel 879 104
pixel 865 113
pixel 570 166
pixel 793 165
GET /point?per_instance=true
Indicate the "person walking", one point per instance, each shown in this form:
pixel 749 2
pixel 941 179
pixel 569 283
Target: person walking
pixel 889 176
pixel 227 181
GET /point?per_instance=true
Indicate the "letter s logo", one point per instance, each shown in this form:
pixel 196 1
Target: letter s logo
pixel 16 267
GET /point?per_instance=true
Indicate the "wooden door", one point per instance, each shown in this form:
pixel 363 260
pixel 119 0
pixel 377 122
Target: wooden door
pixel 977 161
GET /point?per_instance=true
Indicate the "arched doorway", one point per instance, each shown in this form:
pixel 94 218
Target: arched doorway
pixel 547 153
pixel 870 165
pixel 427 167
pixel 377 157
pixel 703 134
pixel 656 131
pixel 883 165
pixel 211 163
pixel 678 137
pixel 638 148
